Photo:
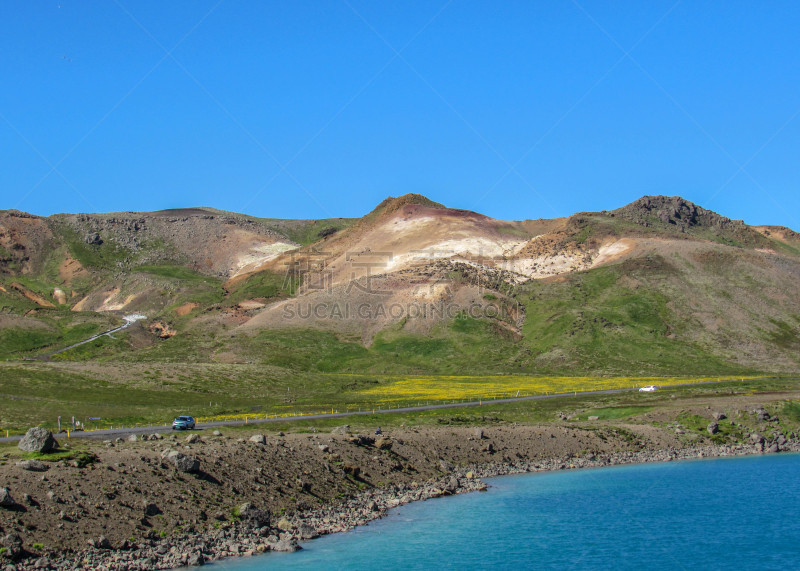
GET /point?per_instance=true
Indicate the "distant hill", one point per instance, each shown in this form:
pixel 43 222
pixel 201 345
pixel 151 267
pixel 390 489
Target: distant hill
pixel 658 286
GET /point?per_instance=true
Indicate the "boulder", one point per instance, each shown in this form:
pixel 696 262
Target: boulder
pixel 383 443
pixel 713 428
pixel 182 462
pixel 217 433
pixel 351 469
pixel 133 438
pixel 100 543
pixel 344 429
pixel 306 531
pixel 773 448
pixel 478 433
pixel 286 544
pixel 151 509
pixel 33 465
pixel 258 439
pixel 38 439
pixel 192 438
pixel 284 524
pixel 6 501
pixel 719 416
pixel 253 516
pixel 451 487
pixel 13 546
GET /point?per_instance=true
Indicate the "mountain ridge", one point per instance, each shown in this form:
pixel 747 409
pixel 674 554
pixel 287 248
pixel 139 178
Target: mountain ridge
pixel 636 286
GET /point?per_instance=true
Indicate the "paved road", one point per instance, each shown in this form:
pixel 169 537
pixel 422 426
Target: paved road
pixel 107 434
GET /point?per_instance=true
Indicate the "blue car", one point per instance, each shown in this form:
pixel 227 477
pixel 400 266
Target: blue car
pixel 183 423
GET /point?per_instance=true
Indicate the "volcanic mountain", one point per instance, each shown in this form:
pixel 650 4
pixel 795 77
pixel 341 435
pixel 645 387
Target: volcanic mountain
pixel 658 286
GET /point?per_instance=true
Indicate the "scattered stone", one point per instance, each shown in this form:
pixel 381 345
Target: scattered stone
pixel 182 462
pixel 324 447
pixel 192 438
pixel 258 439
pixel 133 438
pixel 100 543
pixel 470 475
pixel 351 469
pixel 156 436
pixel 217 433
pixel 713 428
pixel 253 516
pixel 719 416
pixel 344 429
pixel 196 559
pixel 151 509
pixel 478 433
pixel 13 547
pixel 38 439
pixel 6 501
pixel 594 418
pixel 286 544
pixel 33 465
pixel 284 524
pixel 773 448
pixel 383 443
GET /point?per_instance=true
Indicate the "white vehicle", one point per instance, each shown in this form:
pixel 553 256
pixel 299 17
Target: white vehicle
pixel 648 389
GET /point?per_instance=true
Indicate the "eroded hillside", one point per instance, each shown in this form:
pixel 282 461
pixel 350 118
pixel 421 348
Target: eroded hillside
pixel 660 285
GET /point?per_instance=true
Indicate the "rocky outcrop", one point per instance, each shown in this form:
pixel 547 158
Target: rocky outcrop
pixel 672 210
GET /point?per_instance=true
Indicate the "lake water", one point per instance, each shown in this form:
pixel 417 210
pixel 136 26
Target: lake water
pixel 699 514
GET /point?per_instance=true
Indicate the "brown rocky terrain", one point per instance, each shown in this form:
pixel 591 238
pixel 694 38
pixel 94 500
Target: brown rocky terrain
pixel 171 500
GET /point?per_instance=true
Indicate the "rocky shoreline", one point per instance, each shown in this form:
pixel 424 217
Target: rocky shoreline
pixel 256 530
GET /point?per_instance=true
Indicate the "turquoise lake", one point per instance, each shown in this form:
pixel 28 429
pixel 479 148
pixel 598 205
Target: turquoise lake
pixel 697 514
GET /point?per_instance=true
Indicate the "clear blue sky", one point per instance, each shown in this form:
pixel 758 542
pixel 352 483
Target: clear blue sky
pixel 300 109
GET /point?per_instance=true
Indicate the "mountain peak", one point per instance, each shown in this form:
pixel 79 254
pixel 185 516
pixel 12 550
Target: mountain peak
pixel 391 203
pixel 672 210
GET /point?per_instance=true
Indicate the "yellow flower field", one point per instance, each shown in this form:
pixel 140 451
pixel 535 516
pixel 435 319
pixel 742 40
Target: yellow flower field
pixel 455 388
